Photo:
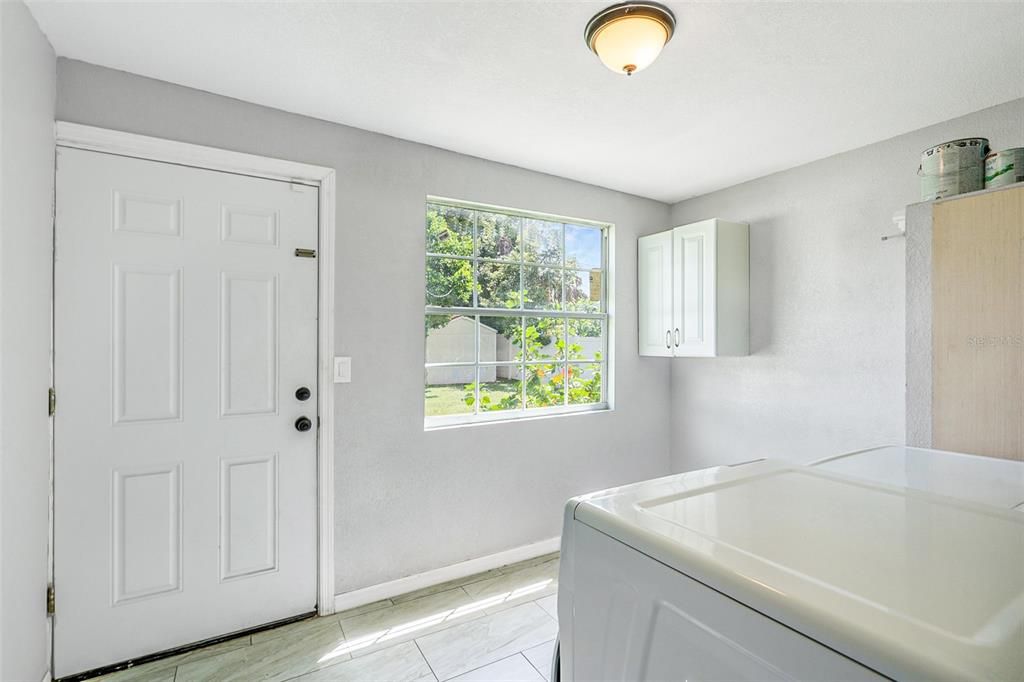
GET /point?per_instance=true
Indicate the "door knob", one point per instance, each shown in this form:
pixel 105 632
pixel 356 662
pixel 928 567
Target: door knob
pixel 303 424
pixel 302 393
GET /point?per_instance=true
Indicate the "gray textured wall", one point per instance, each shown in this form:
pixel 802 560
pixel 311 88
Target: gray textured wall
pixel 409 500
pixel 919 324
pixel 826 373
pixel 827 367
pixel 27 92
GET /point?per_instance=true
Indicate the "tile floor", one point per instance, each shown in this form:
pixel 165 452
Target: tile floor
pixel 497 626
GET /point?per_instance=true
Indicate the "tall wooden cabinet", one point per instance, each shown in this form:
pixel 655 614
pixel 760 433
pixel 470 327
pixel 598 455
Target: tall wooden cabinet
pixel 693 290
pixel 967 395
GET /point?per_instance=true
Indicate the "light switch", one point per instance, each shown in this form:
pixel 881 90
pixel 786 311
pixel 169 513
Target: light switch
pixel 342 370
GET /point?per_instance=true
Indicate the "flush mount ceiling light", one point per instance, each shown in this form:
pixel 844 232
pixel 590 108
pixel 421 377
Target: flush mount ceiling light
pixel 629 37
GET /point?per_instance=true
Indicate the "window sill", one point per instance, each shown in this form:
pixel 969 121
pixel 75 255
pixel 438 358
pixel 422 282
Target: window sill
pixel 459 420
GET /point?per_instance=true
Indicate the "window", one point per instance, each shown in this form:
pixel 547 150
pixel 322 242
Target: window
pixel 516 320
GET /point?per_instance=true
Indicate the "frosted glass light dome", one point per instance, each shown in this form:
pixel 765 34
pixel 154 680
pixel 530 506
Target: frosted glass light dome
pixel 628 38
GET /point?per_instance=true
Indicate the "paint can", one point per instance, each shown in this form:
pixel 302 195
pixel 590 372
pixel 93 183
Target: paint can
pixel 1004 168
pixel 952 168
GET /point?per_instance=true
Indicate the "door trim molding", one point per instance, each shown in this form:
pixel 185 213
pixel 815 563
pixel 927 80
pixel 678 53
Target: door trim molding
pixel 77 136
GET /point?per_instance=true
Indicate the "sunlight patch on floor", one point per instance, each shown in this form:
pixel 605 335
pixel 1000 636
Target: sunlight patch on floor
pixel 448 615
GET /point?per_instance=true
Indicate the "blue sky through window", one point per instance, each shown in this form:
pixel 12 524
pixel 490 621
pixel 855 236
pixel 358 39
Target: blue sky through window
pixel 584 245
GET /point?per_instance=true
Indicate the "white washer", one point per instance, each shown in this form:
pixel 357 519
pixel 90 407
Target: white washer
pixel 896 562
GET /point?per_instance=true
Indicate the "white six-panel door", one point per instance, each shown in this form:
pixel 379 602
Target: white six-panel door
pixel 184 324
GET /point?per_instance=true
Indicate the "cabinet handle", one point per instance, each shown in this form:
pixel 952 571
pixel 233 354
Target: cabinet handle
pixel 668 339
pixel 677 337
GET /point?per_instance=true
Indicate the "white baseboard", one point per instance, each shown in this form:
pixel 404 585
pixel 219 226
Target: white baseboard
pixel 463 569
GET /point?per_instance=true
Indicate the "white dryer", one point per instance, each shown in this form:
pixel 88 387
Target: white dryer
pixel 896 563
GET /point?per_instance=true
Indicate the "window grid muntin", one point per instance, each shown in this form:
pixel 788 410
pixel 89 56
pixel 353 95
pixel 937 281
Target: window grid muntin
pixel 563 273
pixel 514 312
pixel 475 312
pixel 503 363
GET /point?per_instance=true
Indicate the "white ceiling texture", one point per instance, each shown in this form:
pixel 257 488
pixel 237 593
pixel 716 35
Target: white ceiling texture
pixel 744 89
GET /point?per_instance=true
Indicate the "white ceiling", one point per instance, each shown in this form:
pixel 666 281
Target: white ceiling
pixel 744 89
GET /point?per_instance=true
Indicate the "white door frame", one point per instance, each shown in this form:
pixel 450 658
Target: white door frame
pixel 76 136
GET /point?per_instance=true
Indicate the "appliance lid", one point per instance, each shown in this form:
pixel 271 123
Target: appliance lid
pixel 910 583
pixel 999 482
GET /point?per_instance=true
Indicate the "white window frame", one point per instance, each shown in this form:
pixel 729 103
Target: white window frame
pixel 475 313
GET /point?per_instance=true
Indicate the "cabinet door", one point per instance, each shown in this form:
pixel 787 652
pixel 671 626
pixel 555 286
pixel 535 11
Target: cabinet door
pixel 693 289
pixel 978 324
pixel 654 268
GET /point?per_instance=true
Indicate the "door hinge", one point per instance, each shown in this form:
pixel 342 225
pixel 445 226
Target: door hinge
pixel 52 402
pixel 51 600
pixel 305 253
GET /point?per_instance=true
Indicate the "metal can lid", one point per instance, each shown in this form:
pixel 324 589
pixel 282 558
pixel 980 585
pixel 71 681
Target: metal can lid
pixel 1012 151
pixel 962 142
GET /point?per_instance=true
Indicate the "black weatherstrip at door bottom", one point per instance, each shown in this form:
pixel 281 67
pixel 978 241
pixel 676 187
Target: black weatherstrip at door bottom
pixel 149 658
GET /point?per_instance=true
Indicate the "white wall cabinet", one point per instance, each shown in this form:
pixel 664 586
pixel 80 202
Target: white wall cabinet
pixel 654 268
pixel 694 290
